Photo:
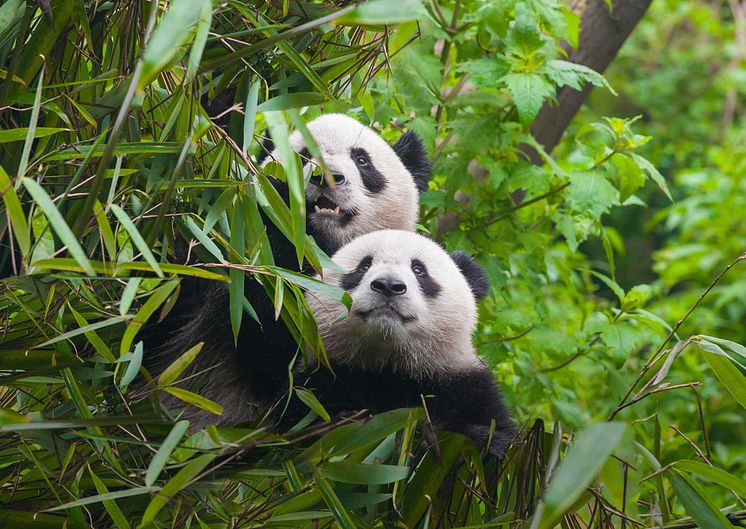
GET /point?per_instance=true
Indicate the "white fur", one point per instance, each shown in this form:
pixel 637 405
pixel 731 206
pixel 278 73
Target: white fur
pixel 436 337
pixel 395 207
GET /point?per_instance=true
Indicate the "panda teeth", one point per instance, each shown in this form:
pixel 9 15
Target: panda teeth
pixel 327 210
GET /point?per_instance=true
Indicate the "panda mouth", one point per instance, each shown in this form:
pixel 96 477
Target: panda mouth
pixel 326 207
pixel 385 310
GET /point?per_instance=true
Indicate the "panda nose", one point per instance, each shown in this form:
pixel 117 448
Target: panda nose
pixel 319 180
pixel 388 286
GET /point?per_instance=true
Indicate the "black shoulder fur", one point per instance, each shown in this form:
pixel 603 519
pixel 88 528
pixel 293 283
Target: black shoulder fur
pixel 463 401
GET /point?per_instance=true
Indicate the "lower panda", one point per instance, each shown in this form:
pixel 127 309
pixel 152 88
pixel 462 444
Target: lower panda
pixel 376 186
pixel 407 336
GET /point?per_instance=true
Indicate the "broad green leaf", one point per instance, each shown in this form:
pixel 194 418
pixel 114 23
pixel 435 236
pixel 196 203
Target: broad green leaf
pixel 529 92
pixel 164 452
pixel 582 462
pixel 58 223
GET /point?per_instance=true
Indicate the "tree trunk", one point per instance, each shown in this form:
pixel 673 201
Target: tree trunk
pixel 602 33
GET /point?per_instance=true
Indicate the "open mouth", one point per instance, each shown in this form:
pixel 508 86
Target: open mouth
pixel 326 206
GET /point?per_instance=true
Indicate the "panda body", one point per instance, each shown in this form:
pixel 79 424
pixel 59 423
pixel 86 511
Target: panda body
pixel 380 193
pixel 408 337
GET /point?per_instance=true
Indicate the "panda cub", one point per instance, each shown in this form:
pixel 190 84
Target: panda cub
pixel 376 187
pixel 408 335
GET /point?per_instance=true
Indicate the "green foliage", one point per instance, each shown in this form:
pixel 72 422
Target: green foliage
pixel 128 125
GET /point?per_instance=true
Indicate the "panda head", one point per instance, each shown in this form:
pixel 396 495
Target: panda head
pixel 376 184
pixel 413 305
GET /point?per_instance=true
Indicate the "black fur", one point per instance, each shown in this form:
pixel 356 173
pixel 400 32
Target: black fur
pixel 411 151
pixel 473 273
pixel 463 401
pixel 429 286
pixel 373 180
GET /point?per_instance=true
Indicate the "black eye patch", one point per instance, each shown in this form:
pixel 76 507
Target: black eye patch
pixel 373 180
pixel 429 286
pixel 352 280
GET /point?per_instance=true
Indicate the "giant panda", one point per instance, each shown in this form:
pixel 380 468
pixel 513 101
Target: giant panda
pixel 376 187
pixel 408 336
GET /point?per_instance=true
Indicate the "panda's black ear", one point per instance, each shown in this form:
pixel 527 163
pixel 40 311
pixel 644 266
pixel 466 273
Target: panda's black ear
pixel 267 147
pixel 411 151
pixel 474 274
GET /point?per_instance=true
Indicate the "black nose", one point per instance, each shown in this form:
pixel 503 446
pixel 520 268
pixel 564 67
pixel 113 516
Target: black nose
pixel 318 179
pixel 388 286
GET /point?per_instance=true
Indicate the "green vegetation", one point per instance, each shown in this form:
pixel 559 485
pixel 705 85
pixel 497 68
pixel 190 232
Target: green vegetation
pixel 618 302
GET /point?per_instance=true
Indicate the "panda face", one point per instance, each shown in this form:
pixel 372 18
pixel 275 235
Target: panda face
pixel 412 308
pixel 375 185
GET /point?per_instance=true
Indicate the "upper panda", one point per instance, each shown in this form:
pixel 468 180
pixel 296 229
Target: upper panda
pixel 376 187
pixel 407 335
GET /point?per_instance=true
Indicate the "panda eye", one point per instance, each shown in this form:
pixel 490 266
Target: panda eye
pixel 364 267
pixel 418 270
pixel 361 160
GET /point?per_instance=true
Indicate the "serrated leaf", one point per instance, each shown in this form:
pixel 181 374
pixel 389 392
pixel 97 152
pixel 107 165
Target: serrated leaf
pixel 529 91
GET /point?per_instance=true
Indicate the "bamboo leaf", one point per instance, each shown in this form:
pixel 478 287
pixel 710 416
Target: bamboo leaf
pixel 177 367
pixel 579 467
pixel 136 238
pixel 171 37
pixel 155 300
pixel 697 504
pixel 15 213
pixel 164 452
pixel 58 223
pixel 195 400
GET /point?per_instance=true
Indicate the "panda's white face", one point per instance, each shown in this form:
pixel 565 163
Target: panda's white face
pixel 373 189
pixel 412 309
